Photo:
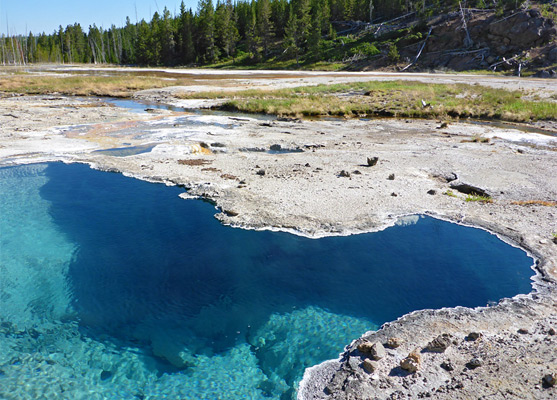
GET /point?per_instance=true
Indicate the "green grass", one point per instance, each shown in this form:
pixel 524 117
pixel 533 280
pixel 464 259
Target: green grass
pixel 477 198
pixel 390 98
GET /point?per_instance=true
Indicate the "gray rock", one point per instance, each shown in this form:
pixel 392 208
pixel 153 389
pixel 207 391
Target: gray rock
pixel 374 350
pixel 391 177
pixel 371 161
pixel 440 343
pixel 261 172
pixel 432 192
pixel 467 188
pixel 447 366
pixel 474 363
pixel 344 174
pixel 377 351
pixel 472 336
pixel 549 380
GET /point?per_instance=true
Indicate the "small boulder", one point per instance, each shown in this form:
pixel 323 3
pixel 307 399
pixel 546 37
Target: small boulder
pixel 447 366
pixel 375 350
pixel 394 342
pixel 440 343
pixel 473 336
pixel 372 161
pixel 412 362
pixel 391 177
pixel 432 192
pixel 410 365
pixel 549 380
pixel 474 363
pixel 261 172
pixel 344 174
pixel 370 366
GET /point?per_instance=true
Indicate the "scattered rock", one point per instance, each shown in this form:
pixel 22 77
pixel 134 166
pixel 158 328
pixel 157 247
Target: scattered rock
pixel 447 366
pixel 194 162
pixel 372 161
pixel 474 363
pixel 466 188
pixel 440 343
pixel 551 332
pixel 409 365
pixel 356 172
pixel 394 342
pixel 365 347
pixel 218 144
pixel 391 177
pixel 412 362
pixel 374 350
pixel 523 331
pixel 370 366
pixel 394 194
pixel 472 336
pixel 549 380
pixel 261 172
pixel 275 147
pixel 432 192
pixel 344 174
pixel 443 125
pixel 377 351
pixel 231 213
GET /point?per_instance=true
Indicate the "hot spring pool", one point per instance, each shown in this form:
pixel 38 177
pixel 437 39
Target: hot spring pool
pixel 114 288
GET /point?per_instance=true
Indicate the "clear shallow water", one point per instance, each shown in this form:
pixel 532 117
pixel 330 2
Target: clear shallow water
pixel 116 288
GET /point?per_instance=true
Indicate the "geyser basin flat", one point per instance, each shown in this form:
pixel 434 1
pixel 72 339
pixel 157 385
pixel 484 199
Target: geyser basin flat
pixel 117 288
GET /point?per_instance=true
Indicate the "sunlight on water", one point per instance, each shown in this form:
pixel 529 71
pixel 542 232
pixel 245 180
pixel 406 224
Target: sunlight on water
pixel 113 288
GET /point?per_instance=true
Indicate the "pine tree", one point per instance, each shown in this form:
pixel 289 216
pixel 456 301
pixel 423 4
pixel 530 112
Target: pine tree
pixel 264 25
pixel 206 49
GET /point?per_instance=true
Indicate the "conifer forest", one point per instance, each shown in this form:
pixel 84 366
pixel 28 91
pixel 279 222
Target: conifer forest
pixel 244 32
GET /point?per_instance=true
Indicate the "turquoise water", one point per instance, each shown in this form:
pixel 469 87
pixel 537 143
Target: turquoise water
pixel 114 288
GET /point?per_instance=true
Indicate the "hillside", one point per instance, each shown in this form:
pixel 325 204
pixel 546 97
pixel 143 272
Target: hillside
pixel 522 42
pixel 516 37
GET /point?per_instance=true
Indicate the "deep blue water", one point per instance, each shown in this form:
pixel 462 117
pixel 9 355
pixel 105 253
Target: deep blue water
pixel 158 273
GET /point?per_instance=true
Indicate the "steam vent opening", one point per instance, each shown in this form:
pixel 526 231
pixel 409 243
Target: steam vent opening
pixel 117 287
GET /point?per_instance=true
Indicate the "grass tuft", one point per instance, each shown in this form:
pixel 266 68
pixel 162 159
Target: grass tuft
pixel 478 198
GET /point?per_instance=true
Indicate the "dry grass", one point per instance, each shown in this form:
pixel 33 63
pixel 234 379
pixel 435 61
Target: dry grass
pixel 81 85
pixel 535 203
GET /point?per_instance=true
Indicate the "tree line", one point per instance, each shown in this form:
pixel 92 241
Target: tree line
pixel 254 30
